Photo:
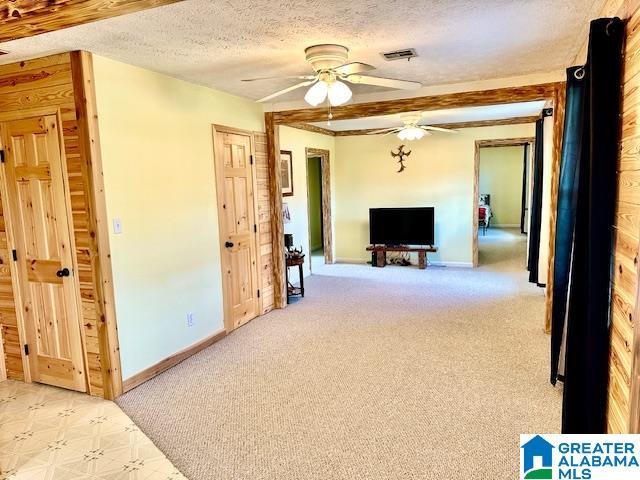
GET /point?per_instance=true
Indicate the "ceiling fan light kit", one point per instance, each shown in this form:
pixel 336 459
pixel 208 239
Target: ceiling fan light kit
pixel 337 92
pixel 412 133
pixel 329 61
pixel 411 130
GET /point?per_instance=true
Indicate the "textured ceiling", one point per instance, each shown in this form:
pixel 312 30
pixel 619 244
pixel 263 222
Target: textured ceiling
pixel 435 117
pixel 217 43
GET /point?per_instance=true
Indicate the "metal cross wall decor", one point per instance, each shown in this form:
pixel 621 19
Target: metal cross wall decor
pixel 401 156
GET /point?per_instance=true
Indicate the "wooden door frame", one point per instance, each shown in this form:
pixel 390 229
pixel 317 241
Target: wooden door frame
pixel 503 142
pixel 327 224
pixel 554 91
pixel 8 218
pixel 215 129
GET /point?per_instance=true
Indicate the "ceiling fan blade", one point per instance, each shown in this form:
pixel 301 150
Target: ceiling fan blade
pixel 438 129
pixel 288 89
pixel 299 77
pixel 383 82
pixel 384 130
pixel 354 67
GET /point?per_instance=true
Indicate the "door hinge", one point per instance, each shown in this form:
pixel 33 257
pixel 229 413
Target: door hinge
pixel 26 349
pixel 251 159
pixel 258 293
pixel 255 228
pixel 2 156
pixel 14 253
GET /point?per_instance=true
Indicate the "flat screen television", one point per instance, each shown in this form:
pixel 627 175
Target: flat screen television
pixel 401 226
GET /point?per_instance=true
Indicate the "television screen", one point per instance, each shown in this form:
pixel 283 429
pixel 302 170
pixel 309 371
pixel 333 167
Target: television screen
pixel 401 226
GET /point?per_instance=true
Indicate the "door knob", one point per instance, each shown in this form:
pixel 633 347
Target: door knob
pixel 63 273
pixel 228 244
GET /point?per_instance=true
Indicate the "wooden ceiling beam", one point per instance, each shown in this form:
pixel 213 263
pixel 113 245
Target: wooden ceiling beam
pixel 452 126
pixel 26 18
pixel 479 98
pixel 313 128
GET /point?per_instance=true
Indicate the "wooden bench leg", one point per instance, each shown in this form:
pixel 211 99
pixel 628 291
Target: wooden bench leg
pixel 381 258
pixel 422 264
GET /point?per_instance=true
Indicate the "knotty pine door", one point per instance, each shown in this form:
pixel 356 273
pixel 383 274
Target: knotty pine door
pixel 37 207
pixel 238 231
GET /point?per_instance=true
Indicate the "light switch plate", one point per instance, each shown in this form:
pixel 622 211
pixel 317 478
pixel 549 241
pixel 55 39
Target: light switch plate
pixel 117 226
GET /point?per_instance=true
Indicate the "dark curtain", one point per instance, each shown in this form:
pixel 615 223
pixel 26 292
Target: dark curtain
pixel 587 343
pixel 523 208
pixel 566 210
pixel 536 203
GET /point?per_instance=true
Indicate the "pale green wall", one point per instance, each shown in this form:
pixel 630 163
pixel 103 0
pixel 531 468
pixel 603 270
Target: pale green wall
pixel 501 177
pixel 314 172
pixel 157 153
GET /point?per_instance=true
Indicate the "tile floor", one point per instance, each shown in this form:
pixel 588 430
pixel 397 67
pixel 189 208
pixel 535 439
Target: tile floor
pixel 47 433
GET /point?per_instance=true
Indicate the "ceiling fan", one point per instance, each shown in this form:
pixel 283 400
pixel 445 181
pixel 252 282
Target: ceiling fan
pixel 329 62
pixel 411 130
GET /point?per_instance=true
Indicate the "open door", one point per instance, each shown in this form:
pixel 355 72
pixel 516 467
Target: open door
pixel 37 209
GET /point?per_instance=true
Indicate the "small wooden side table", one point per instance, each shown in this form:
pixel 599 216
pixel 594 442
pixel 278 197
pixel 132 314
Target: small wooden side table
pixel 292 291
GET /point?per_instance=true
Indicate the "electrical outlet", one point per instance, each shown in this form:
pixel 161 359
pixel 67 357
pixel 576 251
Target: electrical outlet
pixel 190 319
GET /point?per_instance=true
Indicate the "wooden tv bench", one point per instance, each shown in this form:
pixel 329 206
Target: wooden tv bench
pixel 381 254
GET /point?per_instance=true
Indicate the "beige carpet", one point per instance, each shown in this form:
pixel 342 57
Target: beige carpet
pixel 391 373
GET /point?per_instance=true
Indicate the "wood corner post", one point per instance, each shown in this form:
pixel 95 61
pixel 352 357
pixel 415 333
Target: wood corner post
pixel 277 223
pixel 89 144
pixel 559 98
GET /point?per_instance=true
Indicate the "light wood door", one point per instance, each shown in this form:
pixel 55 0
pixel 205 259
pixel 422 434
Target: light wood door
pixel 37 204
pixel 238 231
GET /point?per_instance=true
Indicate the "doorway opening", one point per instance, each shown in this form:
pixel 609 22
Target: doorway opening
pixel 319 208
pixel 502 198
pixel 314 196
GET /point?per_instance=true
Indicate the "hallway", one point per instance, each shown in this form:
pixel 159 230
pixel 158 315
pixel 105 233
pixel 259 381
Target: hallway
pixel 504 248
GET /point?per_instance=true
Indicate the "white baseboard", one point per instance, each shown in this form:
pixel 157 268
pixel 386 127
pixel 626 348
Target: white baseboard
pixel 361 261
pixel 452 264
pixel 351 260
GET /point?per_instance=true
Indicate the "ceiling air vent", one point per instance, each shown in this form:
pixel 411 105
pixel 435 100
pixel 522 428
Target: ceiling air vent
pixel 407 53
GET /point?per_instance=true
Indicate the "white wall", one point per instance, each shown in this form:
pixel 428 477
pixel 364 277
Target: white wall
pixel 297 141
pixel 440 173
pixel 157 153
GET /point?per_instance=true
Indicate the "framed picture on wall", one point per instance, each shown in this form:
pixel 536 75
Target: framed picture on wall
pixel 286 172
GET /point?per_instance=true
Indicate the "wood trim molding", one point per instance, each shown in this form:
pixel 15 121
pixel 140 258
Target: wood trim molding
pixel 314 128
pixel 327 226
pixel 3 367
pixel 501 142
pixel 505 142
pixel 559 105
pixel 171 361
pixel 435 102
pixel 452 126
pixel 21 18
pixel 277 223
pixel 634 397
pixel 98 224
pixel 545 91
